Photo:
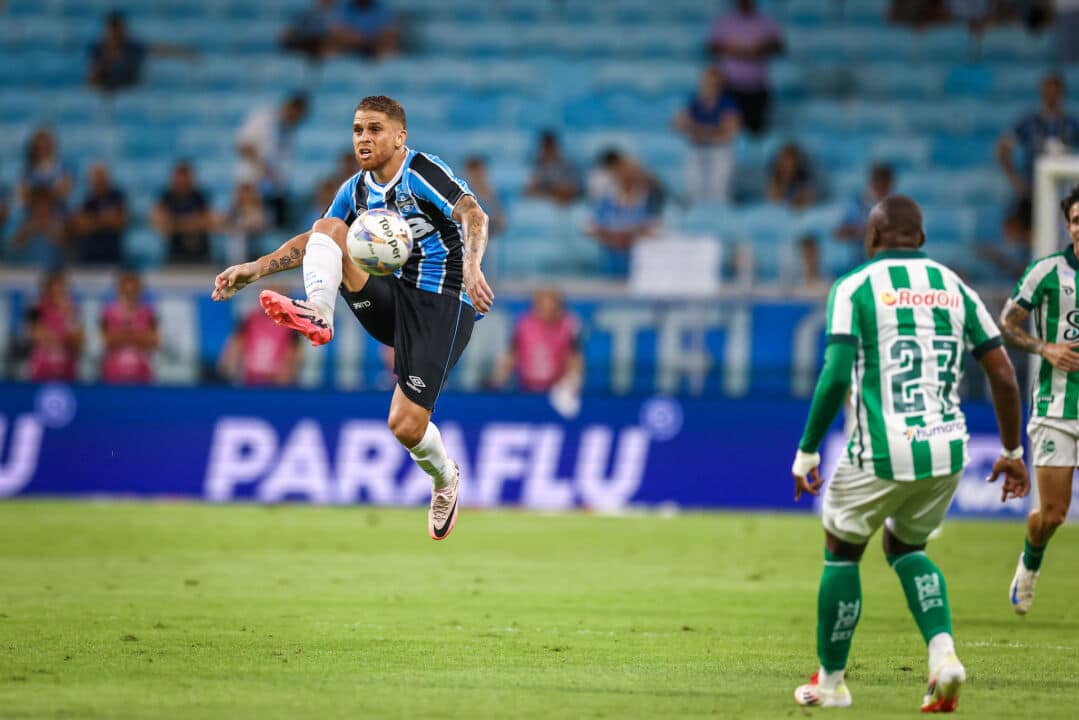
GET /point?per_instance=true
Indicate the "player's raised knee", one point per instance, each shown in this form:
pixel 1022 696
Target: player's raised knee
pixel 407 427
pixel 334 227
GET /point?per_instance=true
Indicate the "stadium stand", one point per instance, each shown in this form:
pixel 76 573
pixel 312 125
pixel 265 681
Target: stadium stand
pixel 849 89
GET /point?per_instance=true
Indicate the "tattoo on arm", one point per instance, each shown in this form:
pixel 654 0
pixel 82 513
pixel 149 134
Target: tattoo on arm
pixel 474 222
pixel 1011 327
pixel 285 261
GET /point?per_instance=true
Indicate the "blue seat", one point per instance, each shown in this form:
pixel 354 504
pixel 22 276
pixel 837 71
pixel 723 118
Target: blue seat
pixel 970 80
pixel 1013 44
pixel 900 81
pixel 144 249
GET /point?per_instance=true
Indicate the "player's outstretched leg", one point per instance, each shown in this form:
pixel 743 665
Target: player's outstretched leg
pixel 839 605
pixel 1054 493
pixel 322 271
pixel 927 597
pixel 412 426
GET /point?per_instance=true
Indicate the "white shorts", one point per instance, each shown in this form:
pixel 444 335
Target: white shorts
pixel 1054 442
pixel 857 503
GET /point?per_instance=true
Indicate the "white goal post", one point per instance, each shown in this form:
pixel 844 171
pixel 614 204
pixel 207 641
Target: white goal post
pixel 1053 175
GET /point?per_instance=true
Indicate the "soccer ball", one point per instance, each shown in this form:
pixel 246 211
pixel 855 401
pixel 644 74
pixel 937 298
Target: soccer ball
pixel 380 241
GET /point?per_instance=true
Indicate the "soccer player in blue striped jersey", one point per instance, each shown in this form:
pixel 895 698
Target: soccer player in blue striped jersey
pixel 1048 290
pixel 425 312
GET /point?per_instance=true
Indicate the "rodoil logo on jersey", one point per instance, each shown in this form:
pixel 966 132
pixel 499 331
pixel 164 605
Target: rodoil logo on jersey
pixel 950 430
pixel 907 298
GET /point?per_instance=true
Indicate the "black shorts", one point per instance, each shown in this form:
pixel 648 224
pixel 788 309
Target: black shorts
pixel 427 331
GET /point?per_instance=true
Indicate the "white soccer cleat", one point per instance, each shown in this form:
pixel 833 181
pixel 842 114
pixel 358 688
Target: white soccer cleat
pixel 812 694
pixel 442 515
pixel 945 681
pixel 1021 593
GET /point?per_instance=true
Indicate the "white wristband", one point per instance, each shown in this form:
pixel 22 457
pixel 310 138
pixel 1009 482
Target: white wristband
pixel 1016 454
pixel 804 462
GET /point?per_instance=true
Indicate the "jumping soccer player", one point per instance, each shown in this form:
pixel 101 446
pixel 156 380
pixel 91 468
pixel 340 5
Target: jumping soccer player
pixel 898 324
pixel 1048 288
pixel 425 312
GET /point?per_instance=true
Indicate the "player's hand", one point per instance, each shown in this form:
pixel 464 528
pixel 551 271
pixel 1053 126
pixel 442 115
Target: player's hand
pixel 806 474
pixel 477 288
pixel 1016 479
pixel 1062 356
pixel 234 279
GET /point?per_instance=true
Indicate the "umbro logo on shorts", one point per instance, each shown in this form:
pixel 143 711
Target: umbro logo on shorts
pixel 416 382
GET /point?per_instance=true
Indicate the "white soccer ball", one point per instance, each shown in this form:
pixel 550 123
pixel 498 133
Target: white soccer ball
pixel 380 241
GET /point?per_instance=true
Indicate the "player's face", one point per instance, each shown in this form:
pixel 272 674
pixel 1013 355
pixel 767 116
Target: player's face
pixel 375 138
pixel 1073 223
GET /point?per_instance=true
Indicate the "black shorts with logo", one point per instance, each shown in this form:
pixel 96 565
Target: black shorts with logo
pixel 427 331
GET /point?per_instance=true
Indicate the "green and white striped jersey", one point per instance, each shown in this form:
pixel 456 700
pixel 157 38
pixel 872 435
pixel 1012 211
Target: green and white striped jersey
pixel 910 319
pixel 1048 289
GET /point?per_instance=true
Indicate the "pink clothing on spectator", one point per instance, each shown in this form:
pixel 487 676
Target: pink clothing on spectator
pixel 542 350
pixel 54 360
pixel 745 73
pixel 266 347
pixel 128 363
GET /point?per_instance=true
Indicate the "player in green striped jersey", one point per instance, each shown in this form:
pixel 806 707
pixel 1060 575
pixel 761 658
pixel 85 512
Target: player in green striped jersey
pixel 1048 288
pixel 896 330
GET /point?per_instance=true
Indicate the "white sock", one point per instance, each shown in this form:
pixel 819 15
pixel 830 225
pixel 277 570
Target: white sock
pixel 430 454
pixel 322 272
pixel 830 680
pixel 940 646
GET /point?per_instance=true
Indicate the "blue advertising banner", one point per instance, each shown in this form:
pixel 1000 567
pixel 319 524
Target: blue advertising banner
pixel 224 444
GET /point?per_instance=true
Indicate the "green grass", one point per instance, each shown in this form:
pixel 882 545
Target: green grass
pixel 197 611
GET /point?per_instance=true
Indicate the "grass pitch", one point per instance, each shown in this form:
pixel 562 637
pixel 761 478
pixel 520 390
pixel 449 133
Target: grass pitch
pixel 198 611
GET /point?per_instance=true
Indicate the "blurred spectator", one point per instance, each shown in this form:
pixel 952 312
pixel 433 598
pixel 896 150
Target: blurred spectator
pixel 264 145
pixel 601 178
pixel 100 223
pixel 246 221
pixel 116 58
pixel 309 30
pixel 44 169
pixel 710 121
pixel 129 327
pixel 366 27
pixel 553 176
pixel 261 352
pixel 41 239
pixel 324 196
pixel 183 216
pixel 1010 253
pixel 5 209
pixel 627 212
pixel 1049 129
pixel 546 347
pixel 744 41
pixel 55 332
pixel 811 281
pixel 790 181
pixel 346 167
pixel 1066 31
pixel 853 225
pixel 477 179
pixel 919 14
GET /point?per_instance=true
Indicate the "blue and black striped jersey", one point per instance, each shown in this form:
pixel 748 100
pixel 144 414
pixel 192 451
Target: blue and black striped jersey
pixel 424 192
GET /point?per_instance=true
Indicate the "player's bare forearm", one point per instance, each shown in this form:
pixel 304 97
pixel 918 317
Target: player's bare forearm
pixel 1004 389
pixel 1012 319
pixel 288 256
pixel 474 225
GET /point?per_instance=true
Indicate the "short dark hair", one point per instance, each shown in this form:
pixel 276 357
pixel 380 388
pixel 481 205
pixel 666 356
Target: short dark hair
pixel 1071 199
pixel 883 171
pixel 384 104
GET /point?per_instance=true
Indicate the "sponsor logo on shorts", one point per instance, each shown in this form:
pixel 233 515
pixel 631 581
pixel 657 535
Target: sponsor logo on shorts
pixel 416 383
pixel 907 298
pixel 1048 446
pixel 361 305
pixel 940 430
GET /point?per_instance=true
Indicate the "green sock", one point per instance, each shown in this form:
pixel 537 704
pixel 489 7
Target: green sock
pixel 927 593
pixel 839 603
pixel 1032 555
